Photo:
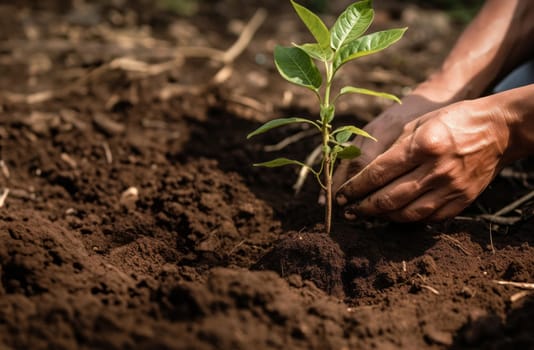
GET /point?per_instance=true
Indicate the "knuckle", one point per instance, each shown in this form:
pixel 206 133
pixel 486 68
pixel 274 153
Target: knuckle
pixel 375 176
pixel 458 186
pixel 409 215
pixel 430 144
pixel 467 196
pixel 433 140
pixel 445 175
pixel 385 202
pixel 464 190
pixel 419 213
pixel 408 127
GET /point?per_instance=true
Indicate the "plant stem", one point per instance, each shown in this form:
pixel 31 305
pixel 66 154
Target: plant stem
pixel 328 204
pixel 327 161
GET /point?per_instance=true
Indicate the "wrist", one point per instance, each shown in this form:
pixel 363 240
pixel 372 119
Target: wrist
pixel 517 108
pixel 448 85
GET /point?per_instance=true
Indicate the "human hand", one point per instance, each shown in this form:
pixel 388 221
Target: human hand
pixel 386 128
pixel 440 163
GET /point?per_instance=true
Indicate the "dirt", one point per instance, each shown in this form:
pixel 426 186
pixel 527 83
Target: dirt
pixel 134 219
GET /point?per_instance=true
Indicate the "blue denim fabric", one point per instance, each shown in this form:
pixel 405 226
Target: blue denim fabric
pixel 521 76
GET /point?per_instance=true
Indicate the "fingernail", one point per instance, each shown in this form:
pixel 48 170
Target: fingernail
pixel 350 215
pixel 341 199
pixel 322 199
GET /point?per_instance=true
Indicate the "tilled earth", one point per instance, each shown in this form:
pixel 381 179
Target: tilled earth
pixel 132 219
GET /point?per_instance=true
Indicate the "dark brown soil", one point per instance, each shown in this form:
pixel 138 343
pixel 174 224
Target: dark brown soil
pixel 134 219
pixel 311 256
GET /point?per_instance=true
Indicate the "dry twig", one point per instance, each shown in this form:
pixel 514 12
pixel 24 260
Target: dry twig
pixel 248 102
pixel 456 243
pixel 3 197
pixel 431 289
pixel 512 206
pixel 290 140
pixel 5 169
pixel 491 240
pixel 107 152
pixel 227 58
pixel 498 217
pixel 522 285
pixel 519 295
pixel 524 177
pixel 144 69
pixel 304 171
pixel 500 220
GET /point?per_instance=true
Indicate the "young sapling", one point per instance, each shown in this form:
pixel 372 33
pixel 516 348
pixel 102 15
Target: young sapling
pixel 343 42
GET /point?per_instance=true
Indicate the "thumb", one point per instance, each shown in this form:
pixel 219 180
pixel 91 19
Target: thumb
pixel 346 170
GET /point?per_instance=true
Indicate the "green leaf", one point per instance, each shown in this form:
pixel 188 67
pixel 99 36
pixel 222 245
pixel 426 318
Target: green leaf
pixel 343 136
pixel 315 25
pixel 352 130
pixel 280 122
pixel 316 51
pixel 280 162
pixel 351 24
pixel 356 90
pixel 367 45
pixel 297 67
pixel 327 113
pixel 349 152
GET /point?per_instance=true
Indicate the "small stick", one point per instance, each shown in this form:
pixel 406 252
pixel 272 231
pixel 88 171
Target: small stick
pixel 431 289
pixel 5 169
pixel 515 204
pixel 107 152
pixel 3 197
pixel 290 140
pixel 498 218
pixel 248 102
pixel 236 246
pixel 456 243
pixel 501 220
pixel 522 285
pixel 227 58
pixel 519 295
pixel 466 218
pixel 304 171
pixel 69 160
pixel 221 76
pixel 510 173
pixel 133 65
pixel 246 36
pixel 491 239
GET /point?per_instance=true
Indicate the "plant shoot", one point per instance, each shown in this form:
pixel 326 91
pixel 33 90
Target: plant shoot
pixel 333 48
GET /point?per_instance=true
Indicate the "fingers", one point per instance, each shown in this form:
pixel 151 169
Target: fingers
pixel 423 207
pixel 345 169
pixel 397 194
pixel 434 205
pixel 395 162
pixel 449 210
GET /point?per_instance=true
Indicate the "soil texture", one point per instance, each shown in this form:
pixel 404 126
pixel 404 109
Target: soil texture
pixel 131 217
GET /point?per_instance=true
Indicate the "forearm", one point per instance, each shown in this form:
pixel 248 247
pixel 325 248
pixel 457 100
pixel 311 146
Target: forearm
pixel 496 41
pixel 516 106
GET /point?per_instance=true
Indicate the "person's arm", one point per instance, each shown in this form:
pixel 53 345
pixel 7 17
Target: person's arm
pixel 517 107
pixel 443 160
pixel 496 41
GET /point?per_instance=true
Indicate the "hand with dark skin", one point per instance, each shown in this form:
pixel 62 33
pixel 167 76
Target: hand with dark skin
pixel 438 150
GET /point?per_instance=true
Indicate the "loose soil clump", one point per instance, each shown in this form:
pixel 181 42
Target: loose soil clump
pixel 312 256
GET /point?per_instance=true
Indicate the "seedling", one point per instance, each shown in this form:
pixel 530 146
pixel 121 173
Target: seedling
pixel 334 47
